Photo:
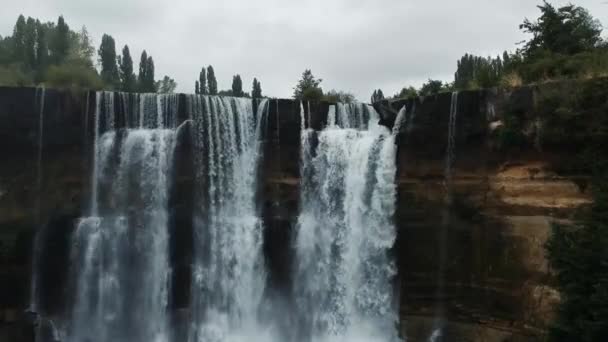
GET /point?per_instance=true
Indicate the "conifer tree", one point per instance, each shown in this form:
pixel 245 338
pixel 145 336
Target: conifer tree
pixel 196 87
pixel 211 81
pixel 107 59
pixel 127 76
pixel 256 91
pixel 237 86
pixel 61 43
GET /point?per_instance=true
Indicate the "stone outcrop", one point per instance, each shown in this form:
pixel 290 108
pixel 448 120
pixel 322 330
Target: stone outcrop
pixel 484 244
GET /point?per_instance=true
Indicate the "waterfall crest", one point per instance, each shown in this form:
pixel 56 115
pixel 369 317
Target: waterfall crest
pixel 229 274
pixel 120 252
pixel 345 229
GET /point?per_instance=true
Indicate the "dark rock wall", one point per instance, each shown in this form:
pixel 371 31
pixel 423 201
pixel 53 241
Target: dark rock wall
pixel 485 244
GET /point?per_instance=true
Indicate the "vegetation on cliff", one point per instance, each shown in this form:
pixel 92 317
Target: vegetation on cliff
pixel 566 43
pixel 578 255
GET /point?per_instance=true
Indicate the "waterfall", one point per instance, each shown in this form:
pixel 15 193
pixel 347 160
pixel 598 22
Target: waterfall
pixel 439 324
pixel 120 253
pixel 400 120
pixel 228 269
pixel 40 234
pixel 345 229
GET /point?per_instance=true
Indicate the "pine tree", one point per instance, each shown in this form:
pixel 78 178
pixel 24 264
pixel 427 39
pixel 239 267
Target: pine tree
pixel 61 43
pixel 197 87
pixel 202 78
pixel 211 81
pixel 256 91
pixel 107 59
pixel 42 50
pixel 127 77
pixel 150 83
pixel 19 39
pixel 142 76
pixel 237 86
pixel 308 87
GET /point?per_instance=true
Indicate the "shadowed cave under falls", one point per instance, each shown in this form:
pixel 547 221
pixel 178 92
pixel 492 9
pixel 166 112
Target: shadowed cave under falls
pixel 121 273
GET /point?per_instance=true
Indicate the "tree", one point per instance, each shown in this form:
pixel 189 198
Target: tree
pixel 42 50
pixel 308 87
pixel 29 45
pixel 478 72
pixel 406 93
pixel 566 30
pixel 146 74
pixel 127 76
pixel 431 87
pixel 142 75
pixel 60 46
pixel 237 86
pixel 18 39
pixel 377 96
pixel 211 81
pixel 166 86
pixel 82 50
pixel 197 87
pixel 256 90
pixel 150 82
pixel 202 78
pixel 339 96
pixel 107 59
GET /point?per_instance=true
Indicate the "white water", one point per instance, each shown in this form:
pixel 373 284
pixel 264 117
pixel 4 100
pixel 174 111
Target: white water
pixel 229 274
pixel 345 229
pixel 120 252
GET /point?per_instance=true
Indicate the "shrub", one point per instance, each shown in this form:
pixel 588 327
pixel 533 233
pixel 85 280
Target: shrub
pixel 72 76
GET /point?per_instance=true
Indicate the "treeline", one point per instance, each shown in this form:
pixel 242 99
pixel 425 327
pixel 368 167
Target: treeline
pixel 54 55
pixel 309 88
pixel 207 85
pixel 566 43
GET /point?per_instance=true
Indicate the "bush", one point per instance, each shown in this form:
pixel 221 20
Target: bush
pixel 72 76
pixel 13 76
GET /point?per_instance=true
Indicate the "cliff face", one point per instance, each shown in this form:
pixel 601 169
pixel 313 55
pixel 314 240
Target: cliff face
pixel 474 259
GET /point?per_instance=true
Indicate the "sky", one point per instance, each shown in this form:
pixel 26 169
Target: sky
pixel 353 45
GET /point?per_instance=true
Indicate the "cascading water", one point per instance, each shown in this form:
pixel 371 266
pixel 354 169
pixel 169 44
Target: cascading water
pixel 438 324
pixel 228 269
pixel 120 252
pixel 343 271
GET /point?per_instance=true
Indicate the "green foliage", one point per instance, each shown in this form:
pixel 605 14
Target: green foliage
pixel 197 89
pixel 13 75
pixel 256 90
pixel 339 96
pixel 107 60
pixel 549 66
pixel 433 87
pixel 578 119
pixel 475 72
pixel 566 30
pixel 578 254
pixel 128 82
pixel 146 82
pixel 406 93
pixel 60 44
pixel 308 87
pixel 377 96
pixel 72 76
pixel 211 81
pixel 237 86
pixel 166 86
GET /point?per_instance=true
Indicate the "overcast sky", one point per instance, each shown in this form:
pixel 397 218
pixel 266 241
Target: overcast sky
pixel 353 45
